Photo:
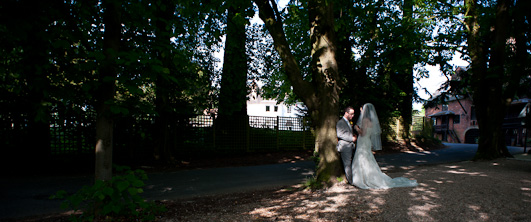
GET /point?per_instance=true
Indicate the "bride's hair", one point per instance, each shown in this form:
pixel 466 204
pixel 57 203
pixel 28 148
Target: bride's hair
pixel 372 128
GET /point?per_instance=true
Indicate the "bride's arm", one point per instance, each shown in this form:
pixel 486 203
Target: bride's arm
pixel 358 129
pixel 366 123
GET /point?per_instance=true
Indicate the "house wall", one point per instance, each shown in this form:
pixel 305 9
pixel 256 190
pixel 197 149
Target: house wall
pixel 256 106
pixel 512 124
pixel 465 121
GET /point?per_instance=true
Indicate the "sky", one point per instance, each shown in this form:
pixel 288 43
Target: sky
pixel 435 79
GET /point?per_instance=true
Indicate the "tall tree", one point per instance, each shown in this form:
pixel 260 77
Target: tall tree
pixel 404 70
pixel 106 91
pixel 321 94
pixel 164 13
pixel 233 92
pixel 383 46
pixel 493 79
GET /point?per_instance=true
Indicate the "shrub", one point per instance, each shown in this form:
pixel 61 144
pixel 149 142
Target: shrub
pixel 113 199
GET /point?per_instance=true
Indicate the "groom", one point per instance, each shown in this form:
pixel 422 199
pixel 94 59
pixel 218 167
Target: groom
pixel 346 141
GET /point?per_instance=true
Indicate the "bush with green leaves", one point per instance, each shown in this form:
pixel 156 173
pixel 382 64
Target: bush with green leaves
pixel 425 137
pixel 113 199
pixel 312 182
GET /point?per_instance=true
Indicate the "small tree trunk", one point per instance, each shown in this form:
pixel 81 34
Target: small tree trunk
pixel 106 91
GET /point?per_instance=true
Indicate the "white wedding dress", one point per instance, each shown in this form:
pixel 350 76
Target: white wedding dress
pixel 365 169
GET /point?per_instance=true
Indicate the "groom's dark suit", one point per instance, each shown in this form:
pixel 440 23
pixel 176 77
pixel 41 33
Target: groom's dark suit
pixel 345 146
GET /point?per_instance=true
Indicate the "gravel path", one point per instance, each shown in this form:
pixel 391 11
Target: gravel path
pixel 465 191
pixel 497 190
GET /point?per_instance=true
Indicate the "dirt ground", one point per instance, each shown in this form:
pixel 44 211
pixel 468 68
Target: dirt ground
pixel 236 207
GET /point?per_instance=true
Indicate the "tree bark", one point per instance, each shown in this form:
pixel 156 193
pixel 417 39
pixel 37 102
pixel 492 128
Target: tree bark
pixel 106 91
pixel 321 96
pixel 233 92
pixel 487 87
pixel 406 75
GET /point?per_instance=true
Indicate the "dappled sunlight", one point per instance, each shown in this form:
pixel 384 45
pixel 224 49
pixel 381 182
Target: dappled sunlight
pixel 423 199
pixel 421 153
pixel 376 202
pixel 421 162
pixel 424 193
pixel 422 211
pixel 526 191
pixel 477 209
pixel 462 171
pixel 308 205
pixel 291 159
pixel 458 170
pixel 335 203
pixel 466 191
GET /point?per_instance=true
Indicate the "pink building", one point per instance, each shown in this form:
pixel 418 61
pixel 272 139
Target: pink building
pixel 456 122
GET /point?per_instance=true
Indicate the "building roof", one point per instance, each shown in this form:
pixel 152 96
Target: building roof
pixel 520 101
pixel 443 113
pixel 525 110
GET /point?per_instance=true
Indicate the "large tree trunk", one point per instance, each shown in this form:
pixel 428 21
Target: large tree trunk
pixel 106 91
pixel 487 87
pixel 521 30
pixel 329 166
pixel 327 83
pixel 233 92
pixel 321 96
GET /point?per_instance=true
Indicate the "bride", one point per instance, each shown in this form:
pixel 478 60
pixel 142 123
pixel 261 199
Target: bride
pixel 365 169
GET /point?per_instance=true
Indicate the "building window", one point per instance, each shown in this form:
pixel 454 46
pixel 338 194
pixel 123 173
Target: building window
pixel 457 119
pixel 267 108
pixel 444 107
pixel 289 109
pixel 276 108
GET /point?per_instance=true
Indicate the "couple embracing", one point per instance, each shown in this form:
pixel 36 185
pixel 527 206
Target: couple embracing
pixel 361 168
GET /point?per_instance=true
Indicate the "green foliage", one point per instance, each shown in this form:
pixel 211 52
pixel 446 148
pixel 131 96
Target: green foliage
pixel 266 65
pixel 427 141
pixel 425 137
pixel 312 182
pixel 316 159
pixel 117 198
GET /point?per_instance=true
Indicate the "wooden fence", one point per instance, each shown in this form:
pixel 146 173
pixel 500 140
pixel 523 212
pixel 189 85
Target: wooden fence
pixel 135 137
pixel 396 128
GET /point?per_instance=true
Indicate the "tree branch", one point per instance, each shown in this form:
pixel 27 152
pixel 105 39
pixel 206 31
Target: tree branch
pixel 271 17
